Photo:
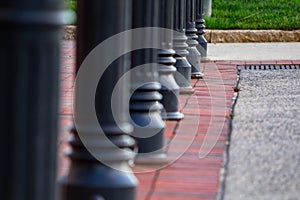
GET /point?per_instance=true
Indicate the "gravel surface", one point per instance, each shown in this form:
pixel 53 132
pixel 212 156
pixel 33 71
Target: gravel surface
pixel 264 154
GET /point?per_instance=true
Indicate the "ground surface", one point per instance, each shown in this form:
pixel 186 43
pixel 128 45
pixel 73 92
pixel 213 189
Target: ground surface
pixel 264 156
pixel 266 53
pixel 202 135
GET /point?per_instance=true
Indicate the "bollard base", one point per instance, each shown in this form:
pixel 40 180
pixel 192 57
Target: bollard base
pixel 151 159
pixel 197 75
pixel 205 59
pixel 96 181
pixel 172 116
pixel 186 90
pixel 202 48
pixel 170 103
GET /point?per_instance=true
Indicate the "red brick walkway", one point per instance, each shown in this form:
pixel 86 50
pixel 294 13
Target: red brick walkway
pixel 200 137
pixel 205 126
pixel 206 113
pixel 206 123
pixel 68 51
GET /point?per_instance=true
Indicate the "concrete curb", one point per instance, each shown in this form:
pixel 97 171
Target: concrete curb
pixel 228 36
pixel 69 33
pixel 232 36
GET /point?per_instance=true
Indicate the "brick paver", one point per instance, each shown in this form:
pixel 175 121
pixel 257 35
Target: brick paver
pixel 196 174
pixel 206 113
pixel 67 74
pixel 206 118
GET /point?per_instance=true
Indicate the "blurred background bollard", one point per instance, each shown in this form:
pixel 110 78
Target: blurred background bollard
pixel 89 178
pixel 202 46
pixel 145 108
pixel 207 5
pixel 194 56
pixel 29 54
pixel 169 88
pixel 183 78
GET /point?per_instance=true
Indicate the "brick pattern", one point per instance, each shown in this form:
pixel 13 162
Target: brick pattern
pixel 67 75
pixel 206 117
pixel 204 127
pixel 206 113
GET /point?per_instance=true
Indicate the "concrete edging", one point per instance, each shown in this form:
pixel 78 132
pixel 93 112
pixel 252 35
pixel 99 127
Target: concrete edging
pixel 228 36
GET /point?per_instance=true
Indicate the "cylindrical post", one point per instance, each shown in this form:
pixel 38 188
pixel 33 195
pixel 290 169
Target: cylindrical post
pixel 183 78
pixel 194 55
pixel 29 76
pixel 144 103
pixel 169 89
pixel 89 178
pixel 202 46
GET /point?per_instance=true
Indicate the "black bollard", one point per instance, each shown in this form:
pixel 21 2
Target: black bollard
pixel 144 103
pixel 89 178
pixel 29 54
pixel 194 55
pixel 202 46
pixel 169 89
pixel 183 78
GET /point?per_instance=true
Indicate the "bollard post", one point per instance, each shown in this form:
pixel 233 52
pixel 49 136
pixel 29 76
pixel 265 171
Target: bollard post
pixel 183 78
pixel 144 103
pixel 169 88
pixel 194 55
pixel 88 177
pixel 202 46
pixel 29 79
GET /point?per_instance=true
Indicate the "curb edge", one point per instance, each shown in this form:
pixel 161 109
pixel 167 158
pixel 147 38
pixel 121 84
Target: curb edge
pixel 228 36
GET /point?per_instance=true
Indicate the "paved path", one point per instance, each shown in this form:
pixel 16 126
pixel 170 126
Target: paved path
pixel 264 156
pixel 205 125
pixel 195 175
pixel 254 51
pixel 200 137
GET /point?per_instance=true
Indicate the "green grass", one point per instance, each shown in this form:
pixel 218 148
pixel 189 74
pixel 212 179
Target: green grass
pixel 70 4
pixel 254 14
pixel 70 15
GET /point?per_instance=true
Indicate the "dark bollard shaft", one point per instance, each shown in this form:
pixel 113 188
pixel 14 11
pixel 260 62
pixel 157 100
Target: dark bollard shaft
pixel 166 70
pixel 29 56
pixel 144 103
pixel 202 46
pixel 194 56
pixel 110 177
pixel 183 77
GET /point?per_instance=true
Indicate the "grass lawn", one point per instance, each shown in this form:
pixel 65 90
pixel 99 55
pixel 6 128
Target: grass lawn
pixel 248 14
pixel 70 4
pixel 254 14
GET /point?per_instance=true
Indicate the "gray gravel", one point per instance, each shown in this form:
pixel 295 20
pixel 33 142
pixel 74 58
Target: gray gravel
pixel 264 154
